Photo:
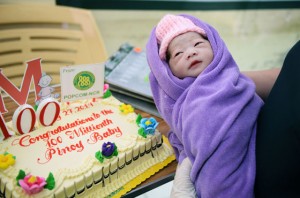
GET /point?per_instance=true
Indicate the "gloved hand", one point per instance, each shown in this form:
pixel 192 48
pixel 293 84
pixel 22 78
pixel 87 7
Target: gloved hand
pixel 182 184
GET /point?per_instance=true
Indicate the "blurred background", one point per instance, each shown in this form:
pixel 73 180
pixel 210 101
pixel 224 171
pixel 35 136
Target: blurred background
pixel 257 38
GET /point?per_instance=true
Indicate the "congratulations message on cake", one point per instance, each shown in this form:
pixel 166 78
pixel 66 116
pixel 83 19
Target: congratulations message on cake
pixel 62 139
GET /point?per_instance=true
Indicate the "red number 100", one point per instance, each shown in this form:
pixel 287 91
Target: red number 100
pixel 24 118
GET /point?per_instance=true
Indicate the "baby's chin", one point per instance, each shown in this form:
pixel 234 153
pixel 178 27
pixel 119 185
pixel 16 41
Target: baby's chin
pixel 195 74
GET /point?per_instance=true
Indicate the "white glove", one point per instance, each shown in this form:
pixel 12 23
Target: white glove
pixel 182 184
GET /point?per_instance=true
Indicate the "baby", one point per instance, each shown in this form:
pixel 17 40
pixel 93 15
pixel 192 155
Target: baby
pixel 209 105
pixel 189 53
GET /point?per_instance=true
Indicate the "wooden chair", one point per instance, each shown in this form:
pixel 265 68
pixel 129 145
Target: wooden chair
pixel 59 35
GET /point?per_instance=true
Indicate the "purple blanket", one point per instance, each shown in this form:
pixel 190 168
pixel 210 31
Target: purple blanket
pixel 212 119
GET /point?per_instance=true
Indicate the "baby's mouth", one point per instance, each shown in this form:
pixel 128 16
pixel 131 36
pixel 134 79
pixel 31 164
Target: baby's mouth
pixel 195 62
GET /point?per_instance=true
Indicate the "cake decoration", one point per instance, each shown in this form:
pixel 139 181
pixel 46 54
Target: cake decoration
pixel 46 90
pixel 48 111
pixel 126 108
pixel 147 126
pixel 80 82
pixel 138 119
pixel 84 80
pixel 106 91
pixel 109 150
pixel 24 116
pixel 24 119
pixel 6 160
pixel 34 184
pixel 33 72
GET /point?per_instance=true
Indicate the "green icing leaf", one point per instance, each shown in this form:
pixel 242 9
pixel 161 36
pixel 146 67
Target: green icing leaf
pixel 115 151
pixel 6 153
pixel 50 182
pixel 107 94
pixel 35 107
pixel 21 175
pixel 99 156
pixel 138 119
pixel 142 133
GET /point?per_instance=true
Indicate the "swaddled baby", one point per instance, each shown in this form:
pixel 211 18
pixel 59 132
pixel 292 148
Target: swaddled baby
pixel 209 105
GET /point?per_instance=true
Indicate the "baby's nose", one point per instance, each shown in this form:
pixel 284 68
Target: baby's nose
pixel 191 53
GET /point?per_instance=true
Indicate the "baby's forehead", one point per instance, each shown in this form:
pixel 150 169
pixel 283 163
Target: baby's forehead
pixel 184 39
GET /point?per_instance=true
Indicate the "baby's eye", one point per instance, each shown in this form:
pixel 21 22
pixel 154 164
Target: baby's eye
pixel 177 54
pixel 198 43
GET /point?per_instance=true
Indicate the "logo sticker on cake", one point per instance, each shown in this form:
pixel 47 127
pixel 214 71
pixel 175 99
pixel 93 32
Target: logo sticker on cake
pixel 81 82
pixel 84 80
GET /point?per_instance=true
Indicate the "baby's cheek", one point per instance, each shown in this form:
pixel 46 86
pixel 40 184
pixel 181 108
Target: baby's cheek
pixel 180 72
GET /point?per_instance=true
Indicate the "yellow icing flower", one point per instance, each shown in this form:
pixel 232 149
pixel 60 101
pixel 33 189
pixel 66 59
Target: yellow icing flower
pixel 6 160
pixel 126 108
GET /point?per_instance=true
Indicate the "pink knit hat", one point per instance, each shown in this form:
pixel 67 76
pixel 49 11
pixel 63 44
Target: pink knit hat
pixel 171 26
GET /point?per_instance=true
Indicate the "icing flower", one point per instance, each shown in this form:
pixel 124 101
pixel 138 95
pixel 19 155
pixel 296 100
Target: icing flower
pixel 105 87
pixel 6 160
pixel 106 91
pixel 34 184
pixel 148 126
pixel 126 108
pixel 109 150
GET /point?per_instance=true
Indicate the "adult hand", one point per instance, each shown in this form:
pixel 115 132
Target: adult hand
pixel 182 185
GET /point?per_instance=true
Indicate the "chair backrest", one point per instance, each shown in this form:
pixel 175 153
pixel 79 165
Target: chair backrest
pixel 59 35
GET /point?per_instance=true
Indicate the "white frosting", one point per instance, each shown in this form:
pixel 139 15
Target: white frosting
pixel 67 149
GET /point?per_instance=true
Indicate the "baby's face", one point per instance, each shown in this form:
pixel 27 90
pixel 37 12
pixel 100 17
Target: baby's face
pixel 189 54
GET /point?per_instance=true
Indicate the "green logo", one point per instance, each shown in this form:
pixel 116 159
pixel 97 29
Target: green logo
pixel 84 80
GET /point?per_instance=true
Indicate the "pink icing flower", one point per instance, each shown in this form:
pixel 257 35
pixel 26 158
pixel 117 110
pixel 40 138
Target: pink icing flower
pixel 32 184
pixel 105 87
